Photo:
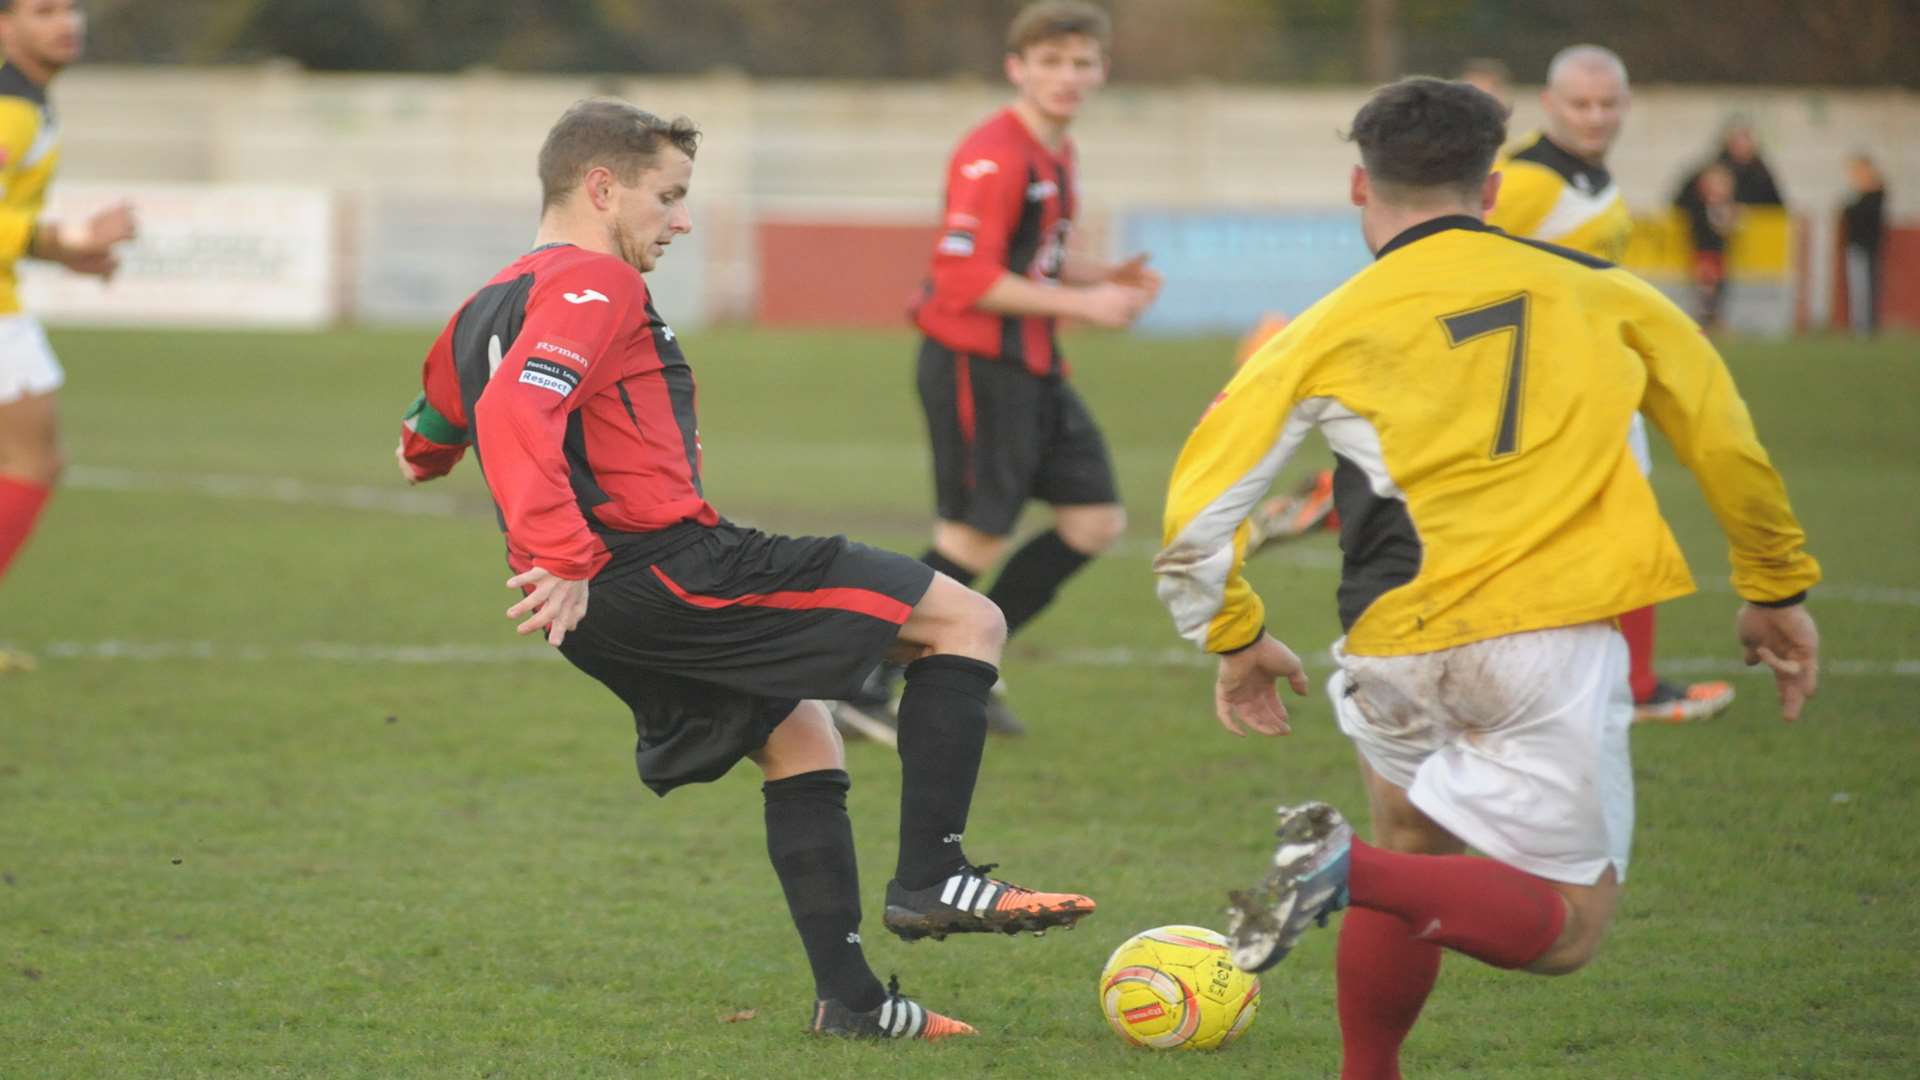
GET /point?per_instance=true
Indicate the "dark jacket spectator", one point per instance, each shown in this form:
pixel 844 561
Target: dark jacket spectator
pixel 1863 230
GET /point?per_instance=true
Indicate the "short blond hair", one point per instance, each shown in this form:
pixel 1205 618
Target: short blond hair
pixel 608 132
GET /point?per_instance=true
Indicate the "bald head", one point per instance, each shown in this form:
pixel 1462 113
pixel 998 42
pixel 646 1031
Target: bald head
pixel 1585 100
pixel 1586 58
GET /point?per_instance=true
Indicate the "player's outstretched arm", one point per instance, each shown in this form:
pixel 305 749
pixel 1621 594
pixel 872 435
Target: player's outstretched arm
pixel 87 248
pixel 1080 268
pixel 1786 640
pixel 1107 304
pixel 1245 693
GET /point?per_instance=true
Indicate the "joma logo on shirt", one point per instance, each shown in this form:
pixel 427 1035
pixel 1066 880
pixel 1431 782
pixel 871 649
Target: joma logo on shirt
pixel 586 297
pixel 974 170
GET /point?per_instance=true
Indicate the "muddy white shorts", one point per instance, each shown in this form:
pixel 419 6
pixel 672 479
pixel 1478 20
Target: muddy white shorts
pixel 1517 745
pixel 27 364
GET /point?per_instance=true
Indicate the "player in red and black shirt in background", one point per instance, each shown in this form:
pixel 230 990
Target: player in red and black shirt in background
pixel 580 405
pixel 1003 421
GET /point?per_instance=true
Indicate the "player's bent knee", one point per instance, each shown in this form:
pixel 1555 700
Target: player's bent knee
pixel 50 467
pixel 1578 944
pixel 954 619
pixel 1567 957
pixel 986 624
pixel 979 629
pixel 1093 530
pixel 806 741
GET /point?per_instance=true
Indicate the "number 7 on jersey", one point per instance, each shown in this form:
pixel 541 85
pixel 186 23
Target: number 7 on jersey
pixel 1476 323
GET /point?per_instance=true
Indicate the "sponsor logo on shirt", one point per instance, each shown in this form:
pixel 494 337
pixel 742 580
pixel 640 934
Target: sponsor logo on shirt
pixel 974 170
pixel 587 296
pixel 960 219
pixel 957 242
pixel 561 350
pixel 548 375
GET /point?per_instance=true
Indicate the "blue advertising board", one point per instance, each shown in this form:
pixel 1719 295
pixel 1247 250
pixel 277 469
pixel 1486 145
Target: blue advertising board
pixel 1225 270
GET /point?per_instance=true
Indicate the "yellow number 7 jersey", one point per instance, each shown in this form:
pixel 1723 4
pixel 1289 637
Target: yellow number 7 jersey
pixel 1476 391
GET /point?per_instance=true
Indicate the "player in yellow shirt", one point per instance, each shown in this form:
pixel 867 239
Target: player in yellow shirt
pixel 40 38
pixel 1556 187
pixel 1474 388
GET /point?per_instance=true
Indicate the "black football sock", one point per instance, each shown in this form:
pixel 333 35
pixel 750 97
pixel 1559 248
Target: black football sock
pixel 943 728
pixel 947 566
pixel 1030 579
pixel 810 842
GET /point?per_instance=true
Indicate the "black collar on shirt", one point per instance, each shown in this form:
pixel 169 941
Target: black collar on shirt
pixel 1429 227
pixel 14 83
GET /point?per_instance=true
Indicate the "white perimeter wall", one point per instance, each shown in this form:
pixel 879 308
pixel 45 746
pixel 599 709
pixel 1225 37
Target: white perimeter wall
pixel 856 150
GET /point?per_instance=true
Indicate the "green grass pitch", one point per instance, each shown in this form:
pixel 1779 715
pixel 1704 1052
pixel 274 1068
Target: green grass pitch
pixel 288 798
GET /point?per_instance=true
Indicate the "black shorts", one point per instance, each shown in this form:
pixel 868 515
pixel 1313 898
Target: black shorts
pixel 1002 435
pixel 714 644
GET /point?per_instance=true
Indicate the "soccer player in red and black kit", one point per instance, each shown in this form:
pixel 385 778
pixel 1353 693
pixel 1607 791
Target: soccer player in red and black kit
pixel 1003 421
pixel 577 399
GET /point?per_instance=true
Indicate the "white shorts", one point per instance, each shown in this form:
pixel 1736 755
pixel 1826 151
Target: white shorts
pixel 27 365
pixel 1517 745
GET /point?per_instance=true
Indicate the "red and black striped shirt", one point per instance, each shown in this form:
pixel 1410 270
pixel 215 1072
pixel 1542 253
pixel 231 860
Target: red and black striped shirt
pixel 1010 205
pixel 580 405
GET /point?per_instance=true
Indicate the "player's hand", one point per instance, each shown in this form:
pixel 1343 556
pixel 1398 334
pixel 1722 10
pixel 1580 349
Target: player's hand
pixel 407 470
pixel 1137 273
pixel 1244 693
pixel 1112 305
pixel 1786 640
pixel 557 604
pixel 114 225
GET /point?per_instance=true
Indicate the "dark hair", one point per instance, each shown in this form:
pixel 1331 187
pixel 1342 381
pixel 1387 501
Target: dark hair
pixel 1051 19
pixel 603 131
pixel 1423 133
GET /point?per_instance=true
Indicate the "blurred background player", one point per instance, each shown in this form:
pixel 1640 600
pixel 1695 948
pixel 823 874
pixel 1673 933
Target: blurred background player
pixel 1490 77
pixel 1004 423
pixel 1556 187
pixel 1711 197
pixel 39 39
pixel 1863 233
pixel 579 402
pixel 1474 387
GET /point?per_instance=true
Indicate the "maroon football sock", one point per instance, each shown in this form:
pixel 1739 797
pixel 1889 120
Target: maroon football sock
pixel 20 506
pixel 1637 627
pixel 1485 909
pixel 1384 978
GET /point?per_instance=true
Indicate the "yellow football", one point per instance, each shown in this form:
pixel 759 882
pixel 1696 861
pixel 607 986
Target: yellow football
pixel 1173 987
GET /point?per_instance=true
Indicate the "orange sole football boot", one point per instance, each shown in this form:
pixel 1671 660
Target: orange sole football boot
pixel 970 902
pixel 895 1018
pixel 1671 703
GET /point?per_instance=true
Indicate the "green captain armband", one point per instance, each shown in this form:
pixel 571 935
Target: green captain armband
pixel 426 422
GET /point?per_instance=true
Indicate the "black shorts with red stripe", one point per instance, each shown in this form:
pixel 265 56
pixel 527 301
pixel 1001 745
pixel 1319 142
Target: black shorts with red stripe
pixel 1002 435
pixel 716 642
